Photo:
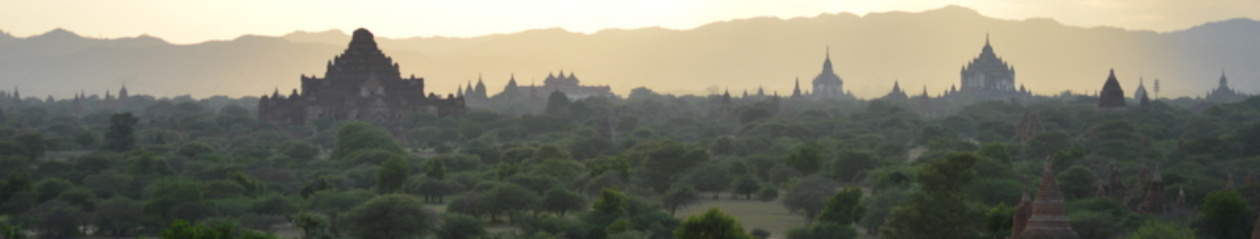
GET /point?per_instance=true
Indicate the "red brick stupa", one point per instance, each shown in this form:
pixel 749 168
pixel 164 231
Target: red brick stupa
pixel 1049 220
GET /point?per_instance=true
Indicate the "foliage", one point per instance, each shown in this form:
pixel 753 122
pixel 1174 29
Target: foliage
pixel 928 212
pixel 844 208
pixel 1225 215
pixel 1156 229
pixel 391 216
pixel 713 224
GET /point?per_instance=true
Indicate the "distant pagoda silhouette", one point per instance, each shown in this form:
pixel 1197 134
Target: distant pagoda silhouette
pixel 361 83
pixel 1111 96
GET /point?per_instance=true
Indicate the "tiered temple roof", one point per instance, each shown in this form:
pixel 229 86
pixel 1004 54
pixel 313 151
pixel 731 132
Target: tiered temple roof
pixel 1049 219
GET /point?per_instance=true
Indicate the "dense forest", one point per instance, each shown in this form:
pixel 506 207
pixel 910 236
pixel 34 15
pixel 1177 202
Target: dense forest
pixel 626 168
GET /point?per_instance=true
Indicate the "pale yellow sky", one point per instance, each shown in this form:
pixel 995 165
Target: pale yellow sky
pixel 191 21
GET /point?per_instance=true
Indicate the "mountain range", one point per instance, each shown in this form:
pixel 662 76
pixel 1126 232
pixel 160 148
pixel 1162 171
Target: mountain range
pixel 918 49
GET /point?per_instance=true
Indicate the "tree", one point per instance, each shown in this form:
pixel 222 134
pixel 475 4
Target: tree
pixel 1156 229
pixel 118 216
pixel 560 201
pixel 313 225
pixel 510 198
pixel 57 219
pixel 712 178
pixel 1076 182
pixel 823 230
pixel 180 229
pixel 767 194
pixel 747 186
pixel 48 189
pixel 809 196
pixel 460 226
pixel 663 162
pixel 393 216
pixel 34 143
pixel 850 164
pixel 678 197
pixel 355 136
pixel 435 169
pixel 121 136
pixel 713 224
pixel 391 176
pixel 806 158
pixel 844 208
pixel 1225 215
pixel 930 213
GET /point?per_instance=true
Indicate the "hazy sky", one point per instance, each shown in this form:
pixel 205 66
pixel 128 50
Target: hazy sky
pixel 190 21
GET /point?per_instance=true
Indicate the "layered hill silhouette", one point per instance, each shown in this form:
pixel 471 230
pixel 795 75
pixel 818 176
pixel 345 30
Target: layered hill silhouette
pixel 919 49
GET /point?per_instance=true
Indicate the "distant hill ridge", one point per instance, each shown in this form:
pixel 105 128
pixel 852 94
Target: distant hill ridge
pixel 870 52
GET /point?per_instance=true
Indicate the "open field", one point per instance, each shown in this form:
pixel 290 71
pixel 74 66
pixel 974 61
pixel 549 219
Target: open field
pixel 770 216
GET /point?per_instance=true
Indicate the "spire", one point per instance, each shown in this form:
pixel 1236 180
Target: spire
pixel 796 91
pixel 1049 219
pixel 1224 81
pixel 16 93
pixel 122 92
pixel 1112 95
pixel 827 62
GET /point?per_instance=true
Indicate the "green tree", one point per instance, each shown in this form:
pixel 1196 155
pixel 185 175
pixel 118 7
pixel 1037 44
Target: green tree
pixel 506 199
pixel 58 219
pixel 712 178
pixel 119 216
pixel 560 201
pixel 845 208
pixel 460 226
pixel 663 162
pixel 713 224
pixel 313 225
pixel 1076 182
pixel 356 136
pixel 806 158
pixel 391 176
pixel 931 212
pixel 180 229
pixel 394 216
pixel 823 230
pixel 747 186
pixel 121 136
pixel 48 189
pixel 678 197
pixel 1156 229
pixel 850 164
pixel 808 197
pixel 1225 215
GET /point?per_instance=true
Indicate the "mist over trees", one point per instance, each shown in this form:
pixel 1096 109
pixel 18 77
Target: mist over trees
pixel 645 166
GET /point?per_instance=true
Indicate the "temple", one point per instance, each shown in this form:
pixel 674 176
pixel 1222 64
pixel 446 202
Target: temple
pixel 1140 94
pixel 896 94
pixel 1049 219
pixel 828 85
pixel 988 77
pixel 1112 96
pixel 1224 94
pixel 569 84
pixel 360 84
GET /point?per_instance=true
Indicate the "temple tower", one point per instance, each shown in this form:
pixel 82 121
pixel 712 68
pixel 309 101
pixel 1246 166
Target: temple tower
pixel 1112 96
pixel 1049 219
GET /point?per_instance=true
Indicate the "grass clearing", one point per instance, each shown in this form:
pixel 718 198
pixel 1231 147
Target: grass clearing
pixel 769 216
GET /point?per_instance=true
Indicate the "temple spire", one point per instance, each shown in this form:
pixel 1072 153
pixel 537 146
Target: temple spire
pixel 796 91
pixel 1049 218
